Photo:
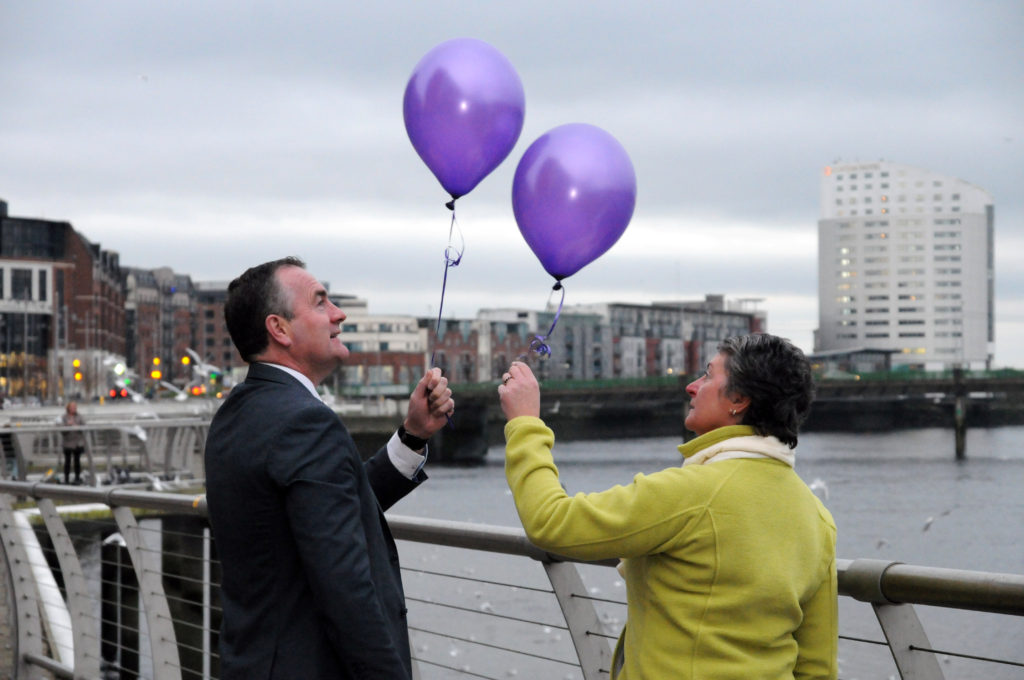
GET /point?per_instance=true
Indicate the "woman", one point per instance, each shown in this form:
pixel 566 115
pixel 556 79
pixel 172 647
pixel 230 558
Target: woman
pixel 729 559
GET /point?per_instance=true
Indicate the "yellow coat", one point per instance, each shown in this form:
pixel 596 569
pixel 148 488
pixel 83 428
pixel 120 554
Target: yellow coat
pixel 729 566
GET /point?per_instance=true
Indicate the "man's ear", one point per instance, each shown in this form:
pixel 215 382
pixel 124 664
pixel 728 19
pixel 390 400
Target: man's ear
pixel 279 330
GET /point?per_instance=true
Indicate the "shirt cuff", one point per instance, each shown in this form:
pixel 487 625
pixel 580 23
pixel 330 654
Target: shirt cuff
pixel 405 460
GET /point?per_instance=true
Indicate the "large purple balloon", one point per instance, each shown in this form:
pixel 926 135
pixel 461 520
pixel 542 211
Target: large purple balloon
pixel 573 195
pixel 464 108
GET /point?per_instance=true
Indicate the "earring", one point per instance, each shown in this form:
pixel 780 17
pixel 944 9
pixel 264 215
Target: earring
pixel 732 412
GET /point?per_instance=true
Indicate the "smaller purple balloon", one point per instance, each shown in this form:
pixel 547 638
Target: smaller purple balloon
pixel 573 195
pixel 463 108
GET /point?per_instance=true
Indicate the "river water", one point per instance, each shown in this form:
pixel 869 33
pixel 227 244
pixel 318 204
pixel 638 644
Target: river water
pixel 894 495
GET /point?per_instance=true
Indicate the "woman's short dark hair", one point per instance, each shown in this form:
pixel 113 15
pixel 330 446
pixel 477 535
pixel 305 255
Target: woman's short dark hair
pixel 776 376
pixel 252 297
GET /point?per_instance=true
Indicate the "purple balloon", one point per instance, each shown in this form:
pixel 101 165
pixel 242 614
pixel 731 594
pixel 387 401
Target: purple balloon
pixel 573 195
pixel 463 108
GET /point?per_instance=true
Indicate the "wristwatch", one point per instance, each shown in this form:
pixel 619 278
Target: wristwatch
pixel 412 441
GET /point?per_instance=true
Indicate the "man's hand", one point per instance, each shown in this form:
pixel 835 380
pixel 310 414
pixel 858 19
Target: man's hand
pixel 430 405
pixel 519 392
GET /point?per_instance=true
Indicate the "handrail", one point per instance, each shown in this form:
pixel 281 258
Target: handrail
pixel 890 587
pixel 897 583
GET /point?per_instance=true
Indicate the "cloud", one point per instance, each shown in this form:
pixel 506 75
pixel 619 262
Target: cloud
pixel 209 136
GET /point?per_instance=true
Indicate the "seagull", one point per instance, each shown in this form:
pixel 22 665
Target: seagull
pixel 927 524
pixel 819 485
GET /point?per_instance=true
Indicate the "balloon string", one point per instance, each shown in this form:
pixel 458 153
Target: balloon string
pixel 452 258
pixel 538 343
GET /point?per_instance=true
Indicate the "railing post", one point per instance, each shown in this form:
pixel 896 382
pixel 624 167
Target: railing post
pixel 906 637
pixel 163 642
pixel 20 454
pixel 24 599
pixel 864 580
pixel 84 631
pixel 594 653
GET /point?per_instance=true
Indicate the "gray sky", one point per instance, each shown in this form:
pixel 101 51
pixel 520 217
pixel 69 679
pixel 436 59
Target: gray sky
pixel 208 137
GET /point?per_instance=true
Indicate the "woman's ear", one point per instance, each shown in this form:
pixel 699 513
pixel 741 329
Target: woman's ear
pixel 739 404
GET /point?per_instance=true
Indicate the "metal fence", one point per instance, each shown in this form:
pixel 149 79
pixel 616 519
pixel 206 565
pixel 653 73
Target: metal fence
pixel 118 583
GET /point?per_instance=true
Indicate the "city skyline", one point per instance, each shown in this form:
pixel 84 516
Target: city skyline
pixel 207 140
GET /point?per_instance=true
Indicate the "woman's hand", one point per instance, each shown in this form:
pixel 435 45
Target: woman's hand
pixel 519 392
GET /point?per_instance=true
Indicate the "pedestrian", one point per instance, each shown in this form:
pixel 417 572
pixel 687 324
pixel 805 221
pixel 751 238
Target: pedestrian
pixel 310 586
pixel 72 441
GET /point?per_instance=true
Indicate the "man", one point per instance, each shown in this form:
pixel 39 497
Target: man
pixel 310 577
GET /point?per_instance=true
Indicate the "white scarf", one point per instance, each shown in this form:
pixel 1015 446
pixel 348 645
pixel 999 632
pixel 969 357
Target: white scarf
pixel 743 447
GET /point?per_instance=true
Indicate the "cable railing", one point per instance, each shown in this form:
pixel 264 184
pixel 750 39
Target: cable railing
pixel 115 582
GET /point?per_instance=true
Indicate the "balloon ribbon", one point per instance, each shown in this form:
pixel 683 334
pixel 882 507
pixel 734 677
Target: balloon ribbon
pixel 452 258
pixel 538 343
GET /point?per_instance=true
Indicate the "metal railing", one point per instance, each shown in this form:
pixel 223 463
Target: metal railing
pixel 115 582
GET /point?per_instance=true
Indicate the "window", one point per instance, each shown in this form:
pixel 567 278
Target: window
pixel 21 284
pixel 911 322
pixel 42 284
pixel 877 322
pixel 876 335
pixel 911 335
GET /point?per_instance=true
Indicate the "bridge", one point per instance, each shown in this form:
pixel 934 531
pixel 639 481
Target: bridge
pixel 115 582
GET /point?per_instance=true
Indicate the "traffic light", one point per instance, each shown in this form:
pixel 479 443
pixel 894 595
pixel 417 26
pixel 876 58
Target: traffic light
pixel 77 364
pixel 155 373
pixel 186 360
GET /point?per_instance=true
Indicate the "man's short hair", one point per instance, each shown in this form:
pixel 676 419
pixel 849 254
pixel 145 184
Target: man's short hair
pixel 252 297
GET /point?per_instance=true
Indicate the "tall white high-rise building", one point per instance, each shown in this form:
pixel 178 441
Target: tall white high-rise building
pixel 905 263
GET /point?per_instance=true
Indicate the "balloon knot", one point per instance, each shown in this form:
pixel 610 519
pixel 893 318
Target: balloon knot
pixel 557 286
pixel 539 346
pixel 451 204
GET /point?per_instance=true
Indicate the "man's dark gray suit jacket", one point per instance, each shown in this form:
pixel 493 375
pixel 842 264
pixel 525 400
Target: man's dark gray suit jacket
pixel 311 586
